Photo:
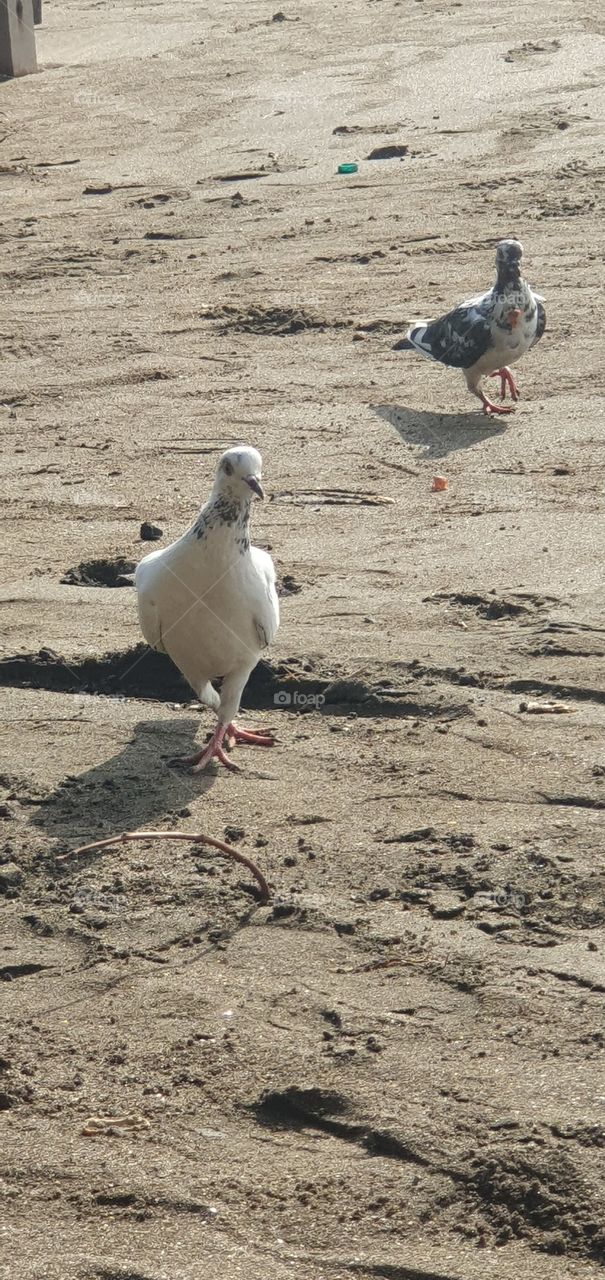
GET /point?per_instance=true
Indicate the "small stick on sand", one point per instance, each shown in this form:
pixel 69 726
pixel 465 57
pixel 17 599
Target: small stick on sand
pixel 226 850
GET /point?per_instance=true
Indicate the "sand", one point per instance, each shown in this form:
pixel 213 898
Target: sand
pixel 394 1068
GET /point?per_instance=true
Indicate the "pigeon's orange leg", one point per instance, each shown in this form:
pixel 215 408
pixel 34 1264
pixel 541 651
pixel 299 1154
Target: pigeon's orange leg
pixel 490 407
pixel 256 737
pixel 506 380
pixel 230 735
pixel 212 750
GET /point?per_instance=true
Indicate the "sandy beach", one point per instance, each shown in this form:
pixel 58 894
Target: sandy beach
pixel 395 1067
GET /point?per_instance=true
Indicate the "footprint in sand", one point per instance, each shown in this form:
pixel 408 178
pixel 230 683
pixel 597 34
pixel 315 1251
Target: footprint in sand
pixel 530 47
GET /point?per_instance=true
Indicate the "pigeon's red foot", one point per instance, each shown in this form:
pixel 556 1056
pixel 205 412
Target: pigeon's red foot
pixel 506 381
pixel 489 407
pixel 229 735
pixel 212 751
pixel 256 737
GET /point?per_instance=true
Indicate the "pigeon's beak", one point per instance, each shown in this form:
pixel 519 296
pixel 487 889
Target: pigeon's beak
pixel 514 316
pixel 255 486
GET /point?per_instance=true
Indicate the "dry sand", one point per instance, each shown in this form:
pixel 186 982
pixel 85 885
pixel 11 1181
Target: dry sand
pixel 396 1068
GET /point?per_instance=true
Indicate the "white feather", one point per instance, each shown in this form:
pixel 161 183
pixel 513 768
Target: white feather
pixel 209 601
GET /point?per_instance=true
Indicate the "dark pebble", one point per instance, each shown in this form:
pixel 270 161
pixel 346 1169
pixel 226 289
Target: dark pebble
pixel 234 833
pixel 150 532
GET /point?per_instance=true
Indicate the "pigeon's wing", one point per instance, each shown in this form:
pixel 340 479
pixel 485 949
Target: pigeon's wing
pixel 149 614
pixel 151 624
pixel 458 339
pixel 266 605
pixel 541 325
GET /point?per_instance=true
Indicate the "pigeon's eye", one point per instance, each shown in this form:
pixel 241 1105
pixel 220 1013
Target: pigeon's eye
pixel 228 467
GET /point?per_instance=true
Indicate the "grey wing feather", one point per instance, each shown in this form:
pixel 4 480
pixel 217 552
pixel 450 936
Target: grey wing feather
pixel 459 338
pixel 541 325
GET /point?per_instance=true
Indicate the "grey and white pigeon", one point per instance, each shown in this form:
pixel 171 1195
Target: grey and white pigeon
pixel 209 601
pixel 484 335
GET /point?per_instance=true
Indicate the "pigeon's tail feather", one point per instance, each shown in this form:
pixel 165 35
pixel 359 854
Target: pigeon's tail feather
pixel 416 340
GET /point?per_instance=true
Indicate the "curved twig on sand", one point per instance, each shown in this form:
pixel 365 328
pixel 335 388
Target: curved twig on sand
pixel 226 850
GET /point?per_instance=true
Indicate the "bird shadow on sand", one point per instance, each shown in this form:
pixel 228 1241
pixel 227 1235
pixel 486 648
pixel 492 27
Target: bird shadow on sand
pixel 135 788
pixel 436 435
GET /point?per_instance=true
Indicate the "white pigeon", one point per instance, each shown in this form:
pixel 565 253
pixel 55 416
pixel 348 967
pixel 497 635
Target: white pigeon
pixel 485 335
pixel 209 600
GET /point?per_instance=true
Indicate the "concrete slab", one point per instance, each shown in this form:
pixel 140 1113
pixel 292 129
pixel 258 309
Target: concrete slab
pixel 17 39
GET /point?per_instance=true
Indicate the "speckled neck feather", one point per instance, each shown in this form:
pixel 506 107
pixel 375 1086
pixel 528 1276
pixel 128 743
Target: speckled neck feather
pixel 508 274
pixel 223 510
